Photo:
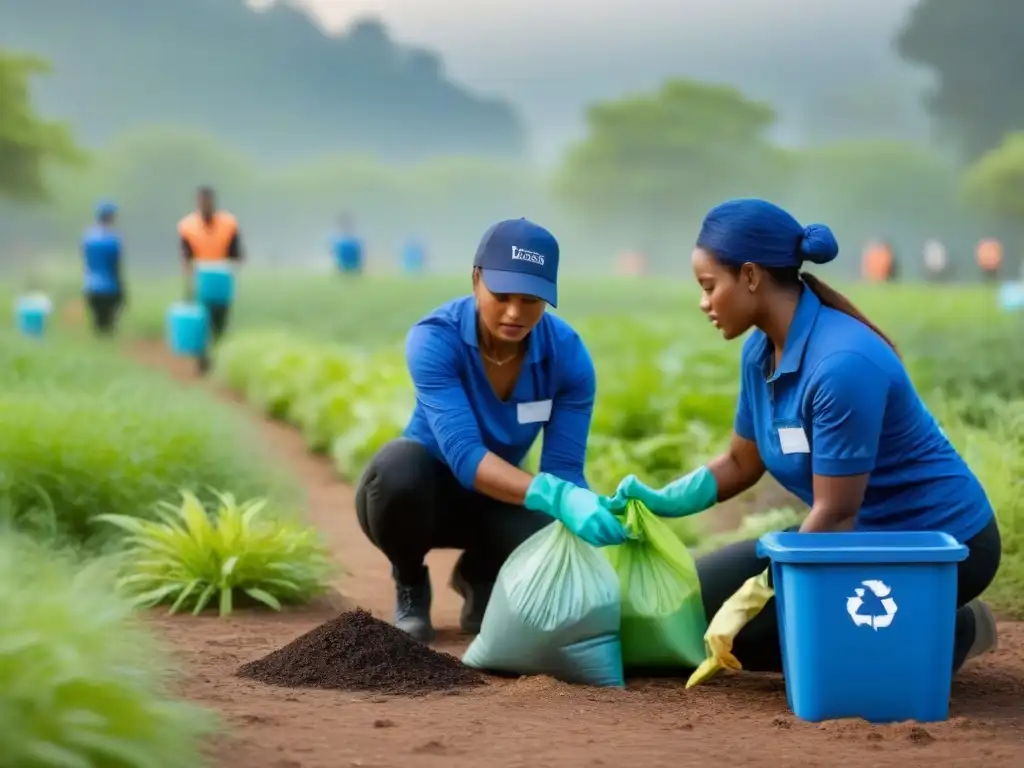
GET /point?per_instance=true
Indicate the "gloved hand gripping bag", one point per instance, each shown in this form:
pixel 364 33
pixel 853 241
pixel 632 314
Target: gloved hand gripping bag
pixel 554 610
pixel 663 621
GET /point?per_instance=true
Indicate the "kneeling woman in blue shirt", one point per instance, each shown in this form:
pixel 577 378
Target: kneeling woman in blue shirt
pixel 827 408
pixel 490 372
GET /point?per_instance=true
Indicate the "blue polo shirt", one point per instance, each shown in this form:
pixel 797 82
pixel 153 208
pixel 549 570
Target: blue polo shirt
pixel 348 252
pixel 841 403
pixel 458 418
pixel 101 251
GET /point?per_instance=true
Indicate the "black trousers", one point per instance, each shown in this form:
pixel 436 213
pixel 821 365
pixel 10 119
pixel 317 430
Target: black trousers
pixel 218 314
pixel 721 573
pixel 408 503
pixel 104 308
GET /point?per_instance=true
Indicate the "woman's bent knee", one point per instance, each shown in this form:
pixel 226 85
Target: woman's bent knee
pixel 395 482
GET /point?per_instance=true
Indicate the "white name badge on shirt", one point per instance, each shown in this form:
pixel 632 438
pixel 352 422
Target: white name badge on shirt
pixel 535 412
pixel 793 440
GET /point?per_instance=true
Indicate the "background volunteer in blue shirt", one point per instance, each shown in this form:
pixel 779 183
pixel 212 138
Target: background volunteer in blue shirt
pixel 490 371
pixel 346 248
pixel 104 285
pixel 827 408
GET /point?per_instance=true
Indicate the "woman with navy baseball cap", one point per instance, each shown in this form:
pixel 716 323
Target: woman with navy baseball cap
pixel 491 371
pixel 827 408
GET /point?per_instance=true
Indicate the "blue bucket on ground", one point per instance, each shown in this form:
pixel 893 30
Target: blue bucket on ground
pixel 1011 297
pixel 31 314
pixel 215 284
pixel 187 329
pixel 866 622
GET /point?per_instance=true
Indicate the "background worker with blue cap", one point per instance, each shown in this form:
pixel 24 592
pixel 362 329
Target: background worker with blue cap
pixel 346 248
pixel 827 408
pixel 102 253
pixel 490 371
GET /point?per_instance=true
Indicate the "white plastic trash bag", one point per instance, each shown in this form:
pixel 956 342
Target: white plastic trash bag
pixel 555 610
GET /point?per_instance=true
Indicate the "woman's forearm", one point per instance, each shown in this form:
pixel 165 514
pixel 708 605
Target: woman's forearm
pixel 732 476
pixel 824 520
pixel 500 480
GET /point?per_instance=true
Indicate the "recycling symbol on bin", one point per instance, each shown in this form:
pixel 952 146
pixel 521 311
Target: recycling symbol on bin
pixel 883 593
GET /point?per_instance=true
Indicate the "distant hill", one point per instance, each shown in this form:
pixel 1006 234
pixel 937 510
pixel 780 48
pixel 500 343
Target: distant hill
pixel 270 82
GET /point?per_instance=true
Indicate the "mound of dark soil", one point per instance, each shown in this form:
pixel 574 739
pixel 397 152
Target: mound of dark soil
pixel 358 652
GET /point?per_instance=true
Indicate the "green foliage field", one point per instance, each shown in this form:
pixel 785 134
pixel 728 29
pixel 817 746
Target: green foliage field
pixel 87 432
pixel 84 684
pixel 91 437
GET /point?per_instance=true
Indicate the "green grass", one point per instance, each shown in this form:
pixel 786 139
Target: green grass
pixel 88 432
pixel 82 683
pixel 375 310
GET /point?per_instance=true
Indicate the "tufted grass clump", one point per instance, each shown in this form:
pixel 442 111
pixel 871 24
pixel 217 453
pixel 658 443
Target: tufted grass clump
pixel 188 556
pixel 81 683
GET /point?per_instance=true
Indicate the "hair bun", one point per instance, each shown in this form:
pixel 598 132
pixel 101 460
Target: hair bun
pixel 819 245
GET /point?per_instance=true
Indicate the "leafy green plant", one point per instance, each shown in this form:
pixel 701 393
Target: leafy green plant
pixel 83 684
pixel 187 556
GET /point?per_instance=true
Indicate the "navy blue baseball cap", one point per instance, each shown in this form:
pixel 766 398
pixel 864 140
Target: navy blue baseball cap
pixel 518 256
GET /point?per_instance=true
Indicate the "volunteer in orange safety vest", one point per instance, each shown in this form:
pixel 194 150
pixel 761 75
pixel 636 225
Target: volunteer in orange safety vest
pixel 208 236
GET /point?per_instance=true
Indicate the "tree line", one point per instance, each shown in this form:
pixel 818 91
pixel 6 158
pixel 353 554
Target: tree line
pixel 647 168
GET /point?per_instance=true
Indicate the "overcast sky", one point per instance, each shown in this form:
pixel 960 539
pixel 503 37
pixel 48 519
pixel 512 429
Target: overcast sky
pixel 553 56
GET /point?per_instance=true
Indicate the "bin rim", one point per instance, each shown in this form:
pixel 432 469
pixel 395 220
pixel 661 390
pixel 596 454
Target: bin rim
pixel 864 547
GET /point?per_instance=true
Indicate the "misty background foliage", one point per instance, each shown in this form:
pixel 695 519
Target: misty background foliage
pixel 294 126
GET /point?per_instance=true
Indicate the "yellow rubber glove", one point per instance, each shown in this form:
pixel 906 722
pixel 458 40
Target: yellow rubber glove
pixel 733 616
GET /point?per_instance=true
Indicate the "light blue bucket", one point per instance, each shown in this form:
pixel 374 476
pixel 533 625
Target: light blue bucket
pixel 215 284
pixel 1011 296
pixel 187 329
pixel 31 314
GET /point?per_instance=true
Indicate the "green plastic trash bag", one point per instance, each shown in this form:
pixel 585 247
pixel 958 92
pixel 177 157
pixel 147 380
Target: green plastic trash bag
pixel 554 610
pixel 663 621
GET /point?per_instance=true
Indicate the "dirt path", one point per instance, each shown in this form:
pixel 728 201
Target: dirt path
pixel 538 722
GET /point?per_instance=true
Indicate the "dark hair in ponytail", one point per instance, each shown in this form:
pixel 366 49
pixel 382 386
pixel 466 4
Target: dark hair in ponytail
pixel 755 231
pixel 792 277
pixel 832 298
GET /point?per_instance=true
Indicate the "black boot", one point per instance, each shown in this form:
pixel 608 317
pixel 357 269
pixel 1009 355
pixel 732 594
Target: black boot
pixel 475 595
pixel 412 610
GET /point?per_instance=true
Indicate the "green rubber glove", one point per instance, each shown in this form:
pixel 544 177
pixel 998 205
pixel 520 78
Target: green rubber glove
pixel 686 496
pixel 581 511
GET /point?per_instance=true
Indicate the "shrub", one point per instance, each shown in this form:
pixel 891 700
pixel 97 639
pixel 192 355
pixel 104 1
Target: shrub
pixel 188 556
pixel 83 684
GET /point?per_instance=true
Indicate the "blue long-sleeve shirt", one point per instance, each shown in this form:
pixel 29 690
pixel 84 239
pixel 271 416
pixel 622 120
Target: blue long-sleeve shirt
pixel 348 252
pixel 459 418
pixel 101 251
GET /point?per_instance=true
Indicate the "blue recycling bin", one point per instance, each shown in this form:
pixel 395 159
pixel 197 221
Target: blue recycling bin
pixel 187 329
pixel 30 316
pixel 1011 297
pixel 866 622
pixel 214 284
